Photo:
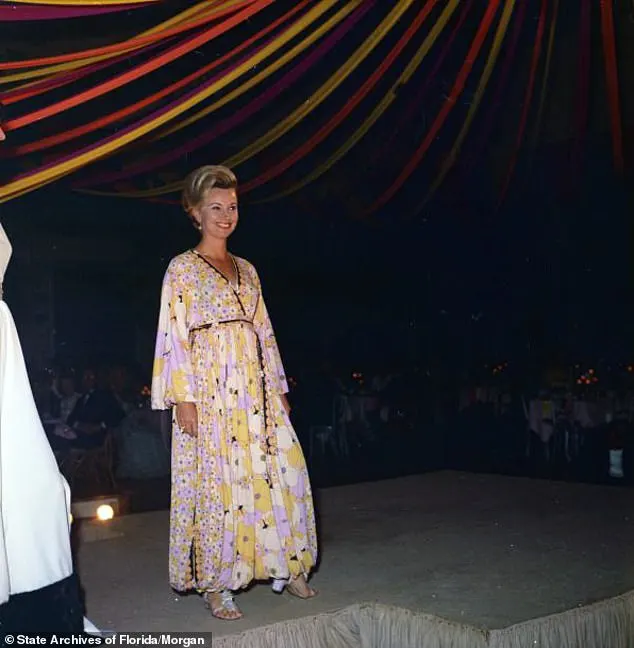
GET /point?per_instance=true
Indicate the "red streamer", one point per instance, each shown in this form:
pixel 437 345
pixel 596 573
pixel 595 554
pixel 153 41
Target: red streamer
pixel 414 107
pixel 612 79
pixel 118 47
pixel 21 13
pixel 489 122
pixel 249 111
pixel 537 48
pixel 84 129
pixel 131 75
pixel 458 87
pixel 583 88
pixel 64 78
pixel 349 106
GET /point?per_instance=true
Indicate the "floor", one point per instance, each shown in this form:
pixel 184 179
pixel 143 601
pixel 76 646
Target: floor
pixel 486 550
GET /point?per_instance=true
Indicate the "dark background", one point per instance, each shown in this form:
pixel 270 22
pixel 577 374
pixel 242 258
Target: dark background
pixel 544 279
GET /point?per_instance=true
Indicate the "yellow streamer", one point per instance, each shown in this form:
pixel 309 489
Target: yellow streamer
pixel 267 72
pixel 12 189
pixel 477 99
pixel 381 107
pixel 82 3
pixel 544 88
pixel 203 8
pixel 326 90
pixel 307 106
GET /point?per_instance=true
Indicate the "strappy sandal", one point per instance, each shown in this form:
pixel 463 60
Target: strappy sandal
pixel 290 585
pixel 224 605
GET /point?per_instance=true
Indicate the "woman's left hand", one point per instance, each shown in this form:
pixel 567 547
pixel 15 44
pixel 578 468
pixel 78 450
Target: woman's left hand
pixel 286 404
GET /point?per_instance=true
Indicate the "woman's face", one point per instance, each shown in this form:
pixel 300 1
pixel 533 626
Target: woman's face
pixel 218 213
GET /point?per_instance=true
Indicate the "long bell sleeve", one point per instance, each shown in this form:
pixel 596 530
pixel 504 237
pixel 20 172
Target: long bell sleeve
pixel 173 379
pixel 273 367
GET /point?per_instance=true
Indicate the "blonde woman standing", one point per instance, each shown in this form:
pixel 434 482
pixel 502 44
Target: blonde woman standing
pixel 242 506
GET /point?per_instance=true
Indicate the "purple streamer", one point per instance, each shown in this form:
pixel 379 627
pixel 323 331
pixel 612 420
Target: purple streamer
pixel 247 111
pixel 80 73
pixel 149 118
pixel 134 125
pixel 215 78
pixel 18 13
pixel 414 106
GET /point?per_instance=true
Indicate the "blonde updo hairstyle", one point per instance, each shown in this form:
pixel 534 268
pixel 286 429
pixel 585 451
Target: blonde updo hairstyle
pixel 202 180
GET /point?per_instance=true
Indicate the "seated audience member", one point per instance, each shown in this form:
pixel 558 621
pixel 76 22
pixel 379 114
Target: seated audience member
pixel 67 396
pixel 96 412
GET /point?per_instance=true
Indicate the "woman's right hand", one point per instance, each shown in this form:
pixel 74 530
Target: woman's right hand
pixel 187 418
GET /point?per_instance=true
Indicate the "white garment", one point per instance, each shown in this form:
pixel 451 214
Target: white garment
pixel 35 548
pixel 5 255
pixel 35 508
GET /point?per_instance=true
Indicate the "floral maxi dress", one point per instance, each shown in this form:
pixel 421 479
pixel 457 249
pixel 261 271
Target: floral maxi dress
pixel 241 504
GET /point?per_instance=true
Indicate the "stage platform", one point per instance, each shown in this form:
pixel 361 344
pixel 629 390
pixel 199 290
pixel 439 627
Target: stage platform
pixel 441 560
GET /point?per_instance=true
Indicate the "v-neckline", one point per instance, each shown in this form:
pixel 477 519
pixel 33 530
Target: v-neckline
pixel 222 274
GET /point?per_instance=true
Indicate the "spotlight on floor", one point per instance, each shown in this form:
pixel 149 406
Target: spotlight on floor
pixel 97 508
pixel 97 517
pixel 105 512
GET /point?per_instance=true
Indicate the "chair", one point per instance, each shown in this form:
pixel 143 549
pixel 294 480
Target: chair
pixel 339 425
pixel 541 422
pixel 91 462
pixel 331 434
pixel 323 436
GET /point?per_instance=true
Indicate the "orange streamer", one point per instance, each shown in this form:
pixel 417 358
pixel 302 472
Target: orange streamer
pixel 456 91
pixel 117 48
pixel 612 79
pixel 60 138
pixel 583 88
pixel 146 68
pixel 350 105
pixel 537 48
pixel 60 79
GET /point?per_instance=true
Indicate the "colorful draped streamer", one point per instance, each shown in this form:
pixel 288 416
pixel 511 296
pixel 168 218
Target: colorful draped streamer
pixel 36 88
pixel 84 3
pixel 69 66
pixel 456 91
pixel 307 106
pixel 269 65
pixel 254 106
pixel 450 160
pixel 415 106
pixel 88 66
pixel 263 75
pixel 60 138
pixel 17 13
pixel 486 129
pixel 136 73
pixel 61 167
pixel 207 13
pixel 583 92
pixel 117 48
pixel 547 66
pixel 537 48
pixel 276 169
pixel 612 80
pixel 380 109
pixel 348 67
